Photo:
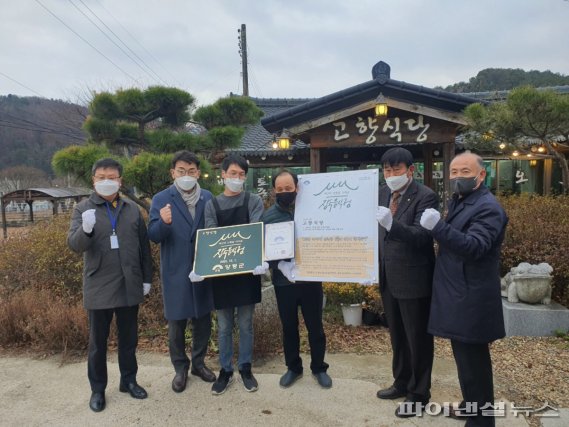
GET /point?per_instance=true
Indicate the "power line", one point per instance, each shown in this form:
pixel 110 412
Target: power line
pixel 15 126
pixel 125 45
pixel 110 39
pixel 82 38
pixel 28 122
pixel 21 84
pixel 139 44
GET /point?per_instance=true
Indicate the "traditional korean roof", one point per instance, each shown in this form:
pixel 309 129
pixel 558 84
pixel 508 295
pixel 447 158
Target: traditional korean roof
pixel 257 141
pixel 364 93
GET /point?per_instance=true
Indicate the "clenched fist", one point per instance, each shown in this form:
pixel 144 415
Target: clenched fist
pixel 166 214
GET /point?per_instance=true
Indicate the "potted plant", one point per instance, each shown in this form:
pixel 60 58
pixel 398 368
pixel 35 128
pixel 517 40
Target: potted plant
pixel 372 307
pixel 351 297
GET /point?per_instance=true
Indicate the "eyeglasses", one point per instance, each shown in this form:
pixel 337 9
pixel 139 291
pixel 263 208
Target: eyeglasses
pixel 101 178
pixel 184 172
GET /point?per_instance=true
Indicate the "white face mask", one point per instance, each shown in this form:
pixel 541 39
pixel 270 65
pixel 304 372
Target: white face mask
pixel 396 182
pixel 234 184
pixel 186 183
pixel 107 187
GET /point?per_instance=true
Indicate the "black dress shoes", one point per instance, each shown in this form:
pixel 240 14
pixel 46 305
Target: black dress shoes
pixel 410 408
pixel 391 393
pixel 134 390
pixel 179 381
pixel 204 373
pixel 289 378
pixel 323 379
pixel 97 401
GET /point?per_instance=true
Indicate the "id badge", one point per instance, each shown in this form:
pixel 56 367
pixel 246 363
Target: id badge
pixel 114 241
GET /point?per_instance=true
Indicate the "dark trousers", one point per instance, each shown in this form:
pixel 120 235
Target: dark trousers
pixel 99 327
pixel 474 367
pixel 309 297
pixel 201 331
pixel 412 345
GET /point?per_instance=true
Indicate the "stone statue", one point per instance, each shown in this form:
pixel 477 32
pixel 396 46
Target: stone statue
pixel 528 283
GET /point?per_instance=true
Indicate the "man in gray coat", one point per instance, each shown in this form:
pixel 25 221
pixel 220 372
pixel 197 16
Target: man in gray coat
pixel 117 273
pixel 407 261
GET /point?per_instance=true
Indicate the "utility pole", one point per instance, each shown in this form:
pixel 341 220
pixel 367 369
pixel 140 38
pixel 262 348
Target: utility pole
pixel 243 52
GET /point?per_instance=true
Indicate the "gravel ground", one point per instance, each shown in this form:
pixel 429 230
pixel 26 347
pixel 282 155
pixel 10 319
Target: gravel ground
pixel 528 370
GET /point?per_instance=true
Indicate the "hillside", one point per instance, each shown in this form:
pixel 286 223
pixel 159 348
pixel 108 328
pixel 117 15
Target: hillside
pixel 491 79
pixel 32 129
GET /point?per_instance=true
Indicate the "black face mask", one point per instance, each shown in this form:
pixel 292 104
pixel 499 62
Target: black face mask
pixel 286 199
pixel 463 186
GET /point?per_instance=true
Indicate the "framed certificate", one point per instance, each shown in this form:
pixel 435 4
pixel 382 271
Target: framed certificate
pixel 279 240
pixel 224 251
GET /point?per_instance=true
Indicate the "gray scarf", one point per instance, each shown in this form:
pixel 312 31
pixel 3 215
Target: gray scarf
pixel 190 198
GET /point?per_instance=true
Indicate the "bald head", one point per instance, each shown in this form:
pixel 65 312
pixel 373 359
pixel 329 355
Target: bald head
pixel 466 164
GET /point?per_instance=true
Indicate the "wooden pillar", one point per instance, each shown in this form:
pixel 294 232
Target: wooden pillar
pixel 4 223
pixel 54 206
pixel 547 176
pixel 428 165
pixel 317 160
pixel 31 205
pixel 448 154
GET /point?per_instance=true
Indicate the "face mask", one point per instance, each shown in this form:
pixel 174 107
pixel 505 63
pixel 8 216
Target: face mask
pixel 186 183
pixel 286 199
pixel 234 184
pixel 107 187
pixel 396 182
pixel 463 186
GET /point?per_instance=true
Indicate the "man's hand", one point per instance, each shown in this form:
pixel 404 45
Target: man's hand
pixel 89 220
pixel 146 288
pixel 430 218
pixel 166 214
pixel 288 269
pixel 261 269
pixel 195 277
pixel 383 216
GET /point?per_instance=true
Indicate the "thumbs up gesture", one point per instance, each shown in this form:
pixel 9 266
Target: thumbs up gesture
pixel 166 214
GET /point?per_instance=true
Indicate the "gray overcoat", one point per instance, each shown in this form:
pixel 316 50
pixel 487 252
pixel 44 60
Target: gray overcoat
pixel 112 277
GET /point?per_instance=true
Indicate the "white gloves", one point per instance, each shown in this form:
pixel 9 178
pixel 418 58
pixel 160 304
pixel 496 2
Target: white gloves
pixel 383 216
pixel 261 269
pixel 288 269
pixel 195 277
pixel 430 218
pixel 146 288
pixel 89 220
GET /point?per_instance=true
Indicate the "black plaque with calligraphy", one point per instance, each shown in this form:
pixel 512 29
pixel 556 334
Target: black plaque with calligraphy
pixel 229 250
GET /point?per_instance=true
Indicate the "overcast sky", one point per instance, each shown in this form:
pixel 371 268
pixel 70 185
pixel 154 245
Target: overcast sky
pixel 297 48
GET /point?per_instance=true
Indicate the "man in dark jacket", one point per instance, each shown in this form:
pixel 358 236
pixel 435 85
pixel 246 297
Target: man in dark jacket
pixel 238 293
pixel 406 262
pixel 175 216
pixel 466 305
pixel 117 273
pixel 290 295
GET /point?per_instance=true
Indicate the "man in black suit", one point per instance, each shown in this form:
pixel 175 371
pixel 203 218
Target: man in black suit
pixel 406 261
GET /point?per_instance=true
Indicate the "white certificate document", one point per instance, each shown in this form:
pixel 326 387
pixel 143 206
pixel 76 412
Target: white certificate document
pixel 279 240
pixel 336 230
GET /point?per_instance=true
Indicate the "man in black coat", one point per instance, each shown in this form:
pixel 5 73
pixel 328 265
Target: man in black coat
pixel 466 305
pixel 406 262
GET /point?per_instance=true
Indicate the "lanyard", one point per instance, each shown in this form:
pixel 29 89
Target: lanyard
pixel 112 218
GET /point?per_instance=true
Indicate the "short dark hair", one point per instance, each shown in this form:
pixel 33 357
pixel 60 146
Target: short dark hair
pixel 396 155
pixel 106 163
pixel 185 156
pixel 282 172
pixel 234 159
